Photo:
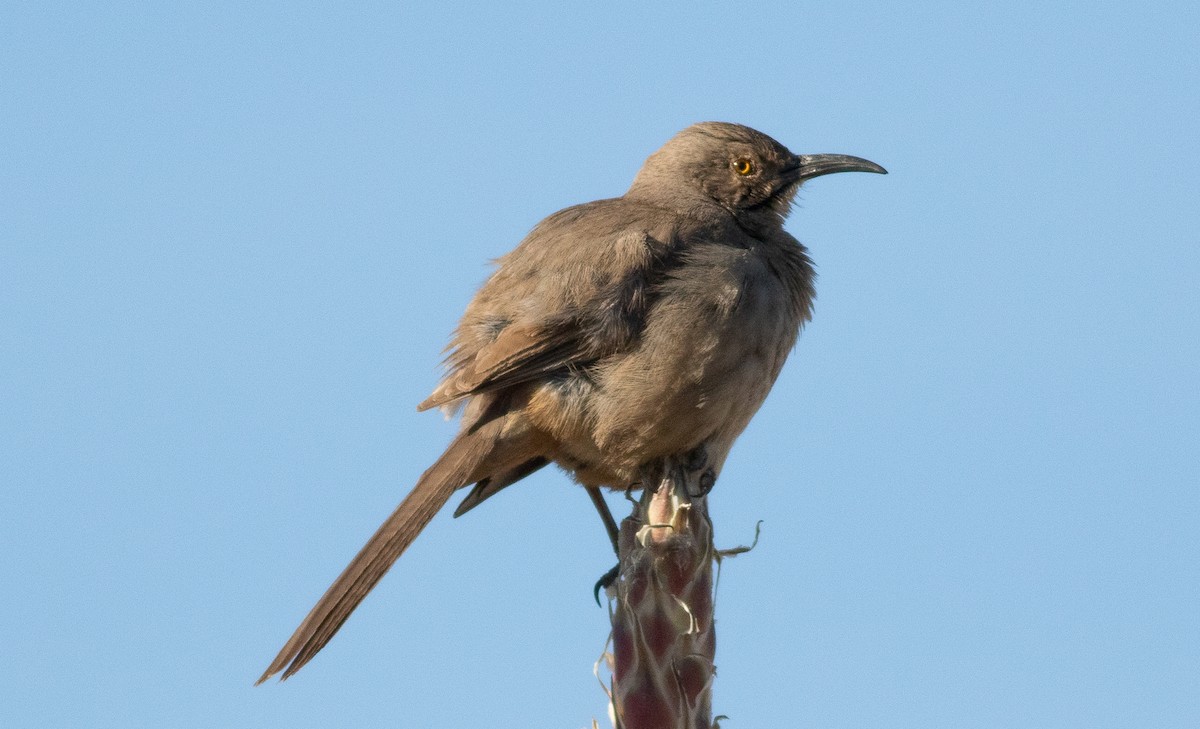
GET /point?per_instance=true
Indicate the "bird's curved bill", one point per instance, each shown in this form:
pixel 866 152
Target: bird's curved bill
pixel 808 166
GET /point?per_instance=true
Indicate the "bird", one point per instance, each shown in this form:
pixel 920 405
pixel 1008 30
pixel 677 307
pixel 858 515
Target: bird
pixel 617 334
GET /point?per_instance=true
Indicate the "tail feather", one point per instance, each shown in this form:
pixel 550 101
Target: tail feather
pixel 457 467
pixel 492 485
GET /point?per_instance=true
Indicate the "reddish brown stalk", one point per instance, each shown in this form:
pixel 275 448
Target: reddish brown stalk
pixel 663 638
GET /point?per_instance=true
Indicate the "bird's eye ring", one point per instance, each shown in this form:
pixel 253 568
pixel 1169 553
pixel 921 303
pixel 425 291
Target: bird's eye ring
pixel 743 166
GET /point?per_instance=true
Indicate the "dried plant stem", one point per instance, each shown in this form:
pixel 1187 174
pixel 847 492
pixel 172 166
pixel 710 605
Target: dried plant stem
pixel 663 638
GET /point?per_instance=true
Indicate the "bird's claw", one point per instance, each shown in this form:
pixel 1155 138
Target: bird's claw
pixel 606 580
pixel 707 480
pixel 695 459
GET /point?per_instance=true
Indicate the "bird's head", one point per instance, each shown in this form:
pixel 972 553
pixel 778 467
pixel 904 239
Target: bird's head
pixel 741 170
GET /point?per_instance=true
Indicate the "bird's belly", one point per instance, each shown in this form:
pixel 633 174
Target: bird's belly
pixel 698 382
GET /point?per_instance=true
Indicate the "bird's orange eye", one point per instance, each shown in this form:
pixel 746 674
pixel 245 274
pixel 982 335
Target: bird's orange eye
pixel 743 166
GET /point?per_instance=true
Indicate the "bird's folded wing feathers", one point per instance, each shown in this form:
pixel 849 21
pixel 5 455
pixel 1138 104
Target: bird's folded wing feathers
pixel 603 315
pixel 520 353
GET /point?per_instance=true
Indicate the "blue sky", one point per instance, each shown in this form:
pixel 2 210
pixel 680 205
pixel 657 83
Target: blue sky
pixel 235 239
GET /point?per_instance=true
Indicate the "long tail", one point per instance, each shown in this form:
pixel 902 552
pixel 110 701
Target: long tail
pixel 458 466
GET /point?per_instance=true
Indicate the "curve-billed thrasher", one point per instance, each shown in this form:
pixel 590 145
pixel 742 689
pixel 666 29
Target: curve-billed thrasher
pixel 619 333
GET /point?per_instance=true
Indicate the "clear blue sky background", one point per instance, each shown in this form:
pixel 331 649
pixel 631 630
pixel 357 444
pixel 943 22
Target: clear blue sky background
pixel 235 239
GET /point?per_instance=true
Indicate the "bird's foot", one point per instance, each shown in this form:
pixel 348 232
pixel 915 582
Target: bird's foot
pixel 699 479
pixel 695 459
pixel 606 581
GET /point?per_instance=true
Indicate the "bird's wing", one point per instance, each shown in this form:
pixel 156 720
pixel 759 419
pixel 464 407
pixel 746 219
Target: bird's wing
pixel 575 291
pixel 520 353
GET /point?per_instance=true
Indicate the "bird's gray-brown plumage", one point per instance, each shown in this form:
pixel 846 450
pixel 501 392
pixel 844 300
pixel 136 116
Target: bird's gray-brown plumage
pixel 618 333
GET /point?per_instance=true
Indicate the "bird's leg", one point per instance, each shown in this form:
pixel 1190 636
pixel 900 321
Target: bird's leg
pixel 610 524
